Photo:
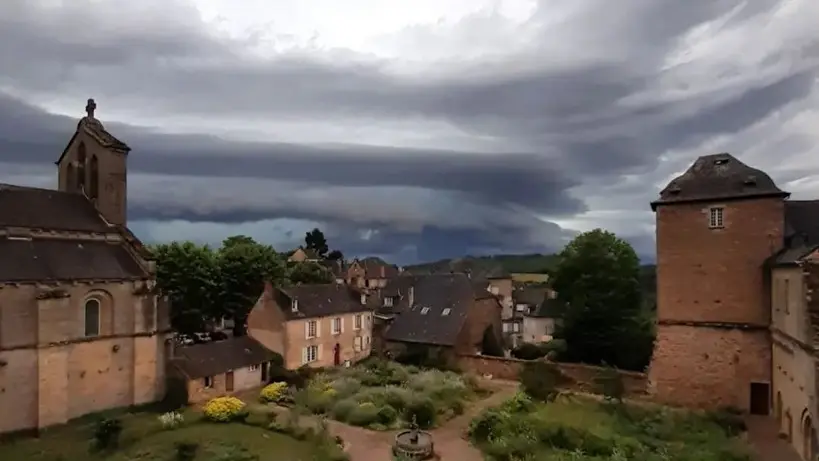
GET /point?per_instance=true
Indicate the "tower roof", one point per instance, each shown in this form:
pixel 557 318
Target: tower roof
pixel 718 177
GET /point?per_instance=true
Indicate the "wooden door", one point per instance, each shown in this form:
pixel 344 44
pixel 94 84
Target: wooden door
pixel 229 381
pixel 760 402
pixel 264 372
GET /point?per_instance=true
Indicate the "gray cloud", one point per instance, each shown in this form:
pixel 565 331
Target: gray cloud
pixel 601 93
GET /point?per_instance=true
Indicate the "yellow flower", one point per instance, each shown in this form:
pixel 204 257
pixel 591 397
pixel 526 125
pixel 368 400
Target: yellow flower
pixel 273 392
pixel 224 409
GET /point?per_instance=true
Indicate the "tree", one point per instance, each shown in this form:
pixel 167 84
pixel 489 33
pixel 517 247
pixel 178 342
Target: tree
pixel 308 273
pixel 244 266
pixel 238 240
pixel 597 278
pixel 335 255
pixel 315 240
pixel 187 274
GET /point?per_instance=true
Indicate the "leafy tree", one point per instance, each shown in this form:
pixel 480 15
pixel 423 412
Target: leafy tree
pixel 597 278
pixel 335 255
pixel 244 266
pixel 308 273
pixel 238 240
pixel 315 240
pixel 187 274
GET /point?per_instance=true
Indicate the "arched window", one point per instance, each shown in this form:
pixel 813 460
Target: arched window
pixel 70 178
pixel 92 317
pixel 808 437
pixel 93 181
pixel 81 166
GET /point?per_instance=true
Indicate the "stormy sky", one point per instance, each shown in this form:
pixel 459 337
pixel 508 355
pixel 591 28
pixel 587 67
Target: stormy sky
pixel 411 130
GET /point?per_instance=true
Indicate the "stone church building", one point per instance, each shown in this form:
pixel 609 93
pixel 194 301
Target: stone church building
pixel 738 297
pixel 81 329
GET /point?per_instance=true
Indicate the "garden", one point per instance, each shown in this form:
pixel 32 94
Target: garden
pixel 225 429
pixel 542 423
pixel 380 395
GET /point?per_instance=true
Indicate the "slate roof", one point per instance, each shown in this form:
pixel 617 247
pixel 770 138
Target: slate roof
pixel 376 268
pixel 319 300
pixel 434 293
pixel 549 308
pixel 48 209
pixel 336 267
pixel 719 176
pixel 209 359
pixel 530 296
pixel 41 259
pixel 802 231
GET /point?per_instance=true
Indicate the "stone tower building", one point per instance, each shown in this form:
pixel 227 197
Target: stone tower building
pixel 717 226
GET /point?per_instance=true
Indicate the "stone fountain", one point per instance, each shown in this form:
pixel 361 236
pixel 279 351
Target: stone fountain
pixel 413 444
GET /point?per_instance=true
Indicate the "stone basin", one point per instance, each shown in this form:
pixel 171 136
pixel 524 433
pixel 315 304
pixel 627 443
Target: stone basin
pixel 413 444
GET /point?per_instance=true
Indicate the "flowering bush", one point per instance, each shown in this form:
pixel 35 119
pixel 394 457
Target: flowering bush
pixel 225 409
pixel 171 420
pixel 273 392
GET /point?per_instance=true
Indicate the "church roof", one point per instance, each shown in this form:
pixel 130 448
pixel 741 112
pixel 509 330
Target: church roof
pixel 91 126
pixel 61 260
pixel 718 177
pixel 48 209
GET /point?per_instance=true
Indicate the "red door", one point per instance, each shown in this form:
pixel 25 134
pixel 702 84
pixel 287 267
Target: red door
pixel 337 355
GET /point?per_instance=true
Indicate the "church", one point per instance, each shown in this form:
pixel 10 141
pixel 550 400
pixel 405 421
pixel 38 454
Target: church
pixel 82 329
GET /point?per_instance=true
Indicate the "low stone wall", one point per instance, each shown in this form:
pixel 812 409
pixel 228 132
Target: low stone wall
pixel 580 377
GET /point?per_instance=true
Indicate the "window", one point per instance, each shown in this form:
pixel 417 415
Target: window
pixel 208 382
pixel 494 290
pixel 446 311
pixel 357 322
pixel 786 295
pixel 715 220
pixel 94 181
pixel 367 341
pixel 254 367
pixel 506 328
pixel 312 329
pixel 337 325
pixel 310 354
pixel 388 301
pixel 424 310
pixel 516 327
pixel 92 317
pixel 357 344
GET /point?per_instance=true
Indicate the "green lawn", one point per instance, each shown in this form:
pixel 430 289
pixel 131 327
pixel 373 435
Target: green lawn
pixel 143 439
pixel 582 429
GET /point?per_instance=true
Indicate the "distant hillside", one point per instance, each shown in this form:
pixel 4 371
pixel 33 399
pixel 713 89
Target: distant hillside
pixel 532 263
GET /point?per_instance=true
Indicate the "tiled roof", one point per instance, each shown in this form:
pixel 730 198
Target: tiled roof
pixel 336 267
pixel 218 357
pixel 319 300
pixel 376 268
pixel 531 296
pixel 40 259
pixel 719 176
pixel 549 308
pixel 802 231
pixel 48 209
pixel 425 322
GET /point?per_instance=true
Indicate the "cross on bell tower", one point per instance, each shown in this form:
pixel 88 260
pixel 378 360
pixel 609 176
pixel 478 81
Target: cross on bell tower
pixel 90 108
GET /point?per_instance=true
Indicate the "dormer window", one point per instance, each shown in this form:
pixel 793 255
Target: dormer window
pixel 715 218
pixel 294 305
pixel 424 310
pixel 388 301
pixel 446 311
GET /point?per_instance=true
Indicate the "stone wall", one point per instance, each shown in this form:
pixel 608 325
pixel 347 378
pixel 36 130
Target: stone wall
pixel 581 377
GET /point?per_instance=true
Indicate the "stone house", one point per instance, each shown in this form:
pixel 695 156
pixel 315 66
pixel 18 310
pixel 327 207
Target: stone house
pixel 527 300
pixel 81 327
pixel 370 273
pixel 541 320
pixel 314 325
pixel 221 367
pixel 498 283
pixel 301 255
pixel 438 314
pixel 746 332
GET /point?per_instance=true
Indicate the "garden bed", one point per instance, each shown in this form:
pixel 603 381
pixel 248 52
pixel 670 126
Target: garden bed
pixel 385 395
pixel 585 429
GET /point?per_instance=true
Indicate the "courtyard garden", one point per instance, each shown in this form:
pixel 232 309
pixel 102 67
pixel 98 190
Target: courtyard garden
pixel 225 429
pixel 382 395
pixel 542 423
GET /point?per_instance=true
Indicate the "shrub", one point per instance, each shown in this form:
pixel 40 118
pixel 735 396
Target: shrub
pixel 421 411
pixel 540 380
pixel 520 403
pixel 343 408
pixel 106 433
pixel 171 420
pixel 363 414
pixel 185 451
pixel 387 415
pixel 610 384
pixel 225 409
pixel 729 419
pixel 529 351
pixel 273 392
pixel 486 424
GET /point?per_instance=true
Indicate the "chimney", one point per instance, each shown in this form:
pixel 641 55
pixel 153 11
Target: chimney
pixel 383 272
pixel 411 297
pixel 294 305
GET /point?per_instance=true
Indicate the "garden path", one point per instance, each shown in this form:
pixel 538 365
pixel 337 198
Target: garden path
pixel 763 435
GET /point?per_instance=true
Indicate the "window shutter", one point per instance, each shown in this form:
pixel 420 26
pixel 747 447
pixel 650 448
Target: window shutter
pixel 318 352
pixel 306 329
pixel 318 328
pixel 304 355
pixel 342 324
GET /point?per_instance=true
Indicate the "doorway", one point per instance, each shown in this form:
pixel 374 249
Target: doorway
pixel 337 355
pixel 229 381
pixel 760 398
pixel 264 372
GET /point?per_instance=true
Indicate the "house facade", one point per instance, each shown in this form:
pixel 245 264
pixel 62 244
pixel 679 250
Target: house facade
pixel 370 273
pixel 81 327
pixel 313 325
pixel 221 367
pixel 744 337
pixel 301 255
